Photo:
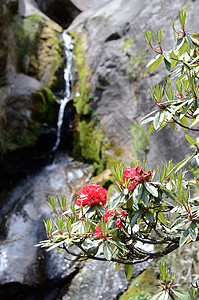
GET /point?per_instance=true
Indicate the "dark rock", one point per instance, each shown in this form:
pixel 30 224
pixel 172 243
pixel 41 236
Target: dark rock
pixel 19 103
pixel 12 5
pixel 62 12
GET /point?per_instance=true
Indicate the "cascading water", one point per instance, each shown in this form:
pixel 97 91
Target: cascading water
pixel 27 272
pixel 68 46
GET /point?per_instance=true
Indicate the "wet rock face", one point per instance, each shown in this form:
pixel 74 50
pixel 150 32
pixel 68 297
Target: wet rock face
pixel 23 216
pixel 117 54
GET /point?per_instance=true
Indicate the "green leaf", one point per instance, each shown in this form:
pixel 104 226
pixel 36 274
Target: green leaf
pixel 179 43
pixel 185 236
pixel 163 295
pixel 128 271
pixel 184 123
pixel 189 41
pixel 183 162
pixel 150 129
pixel 190 140
pixel 182 295
pixel 154 63
pixel 145 197
pixel 195 162
pixel 107 251
pixel 152 190
pixel 195 41
pixel 195 122
pixel 137 193
pixel 166 56
pixel 169 194
pixel 162 218
pixel 167 64
pixel 167 60
pixel 149 216
pixel 118 265
pixel 114 203
pixel 136 216
pixel 185 110
pixel 193 230
pixel 159 117
pixel 147 116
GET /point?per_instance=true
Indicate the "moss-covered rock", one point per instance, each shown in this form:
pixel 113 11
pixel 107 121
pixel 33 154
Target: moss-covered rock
pixel 88 135
pixel 32 53
pixel 38 46
pixel 90 143
pixel 50 54
pixel 146 282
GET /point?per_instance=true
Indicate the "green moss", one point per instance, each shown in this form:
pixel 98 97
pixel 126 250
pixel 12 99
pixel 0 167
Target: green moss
pixel 128 44
pixel 81 102
pixel 118 151
pixel 26 32
pixel 139 141
pixel 36 18
pixel 136 63
pixel 146 282
pixel 90 145
pixel 141 296
pixel 16 141
pixel 43 103
pixel 87 144
pixel 88 138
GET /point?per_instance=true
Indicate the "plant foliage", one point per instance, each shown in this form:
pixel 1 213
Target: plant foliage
pixel 162 213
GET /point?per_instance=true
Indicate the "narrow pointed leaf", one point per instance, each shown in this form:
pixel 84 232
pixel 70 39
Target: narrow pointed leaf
pixel 128 271
pixel 152 190
pixel 193 230
pixel 149 216
pixel 185 236
pixel 136 216
pixel 107 251
pixel 190 140
pixel 150 129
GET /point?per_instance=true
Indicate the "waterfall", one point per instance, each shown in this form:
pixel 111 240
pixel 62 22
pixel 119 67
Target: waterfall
pixel 68 46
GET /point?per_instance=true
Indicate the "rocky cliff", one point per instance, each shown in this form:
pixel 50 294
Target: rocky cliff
pixel 116 53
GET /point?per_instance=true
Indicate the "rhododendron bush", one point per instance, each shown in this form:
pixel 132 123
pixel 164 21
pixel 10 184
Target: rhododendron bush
pixel 159 209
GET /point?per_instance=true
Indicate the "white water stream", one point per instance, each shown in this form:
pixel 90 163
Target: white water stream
pixel 68 46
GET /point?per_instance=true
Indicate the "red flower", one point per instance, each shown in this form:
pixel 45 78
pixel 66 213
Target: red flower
pixel 98 232
pixel 135 176
pixel 113 213
pixel 118 223
pixel 123 213
pixel 146 176
pixel 92 194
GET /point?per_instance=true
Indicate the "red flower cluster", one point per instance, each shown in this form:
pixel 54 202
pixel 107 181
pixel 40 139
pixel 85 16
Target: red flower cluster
pixel 113 213
pixel 92 194
pixel 135 176
pixel 98 232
